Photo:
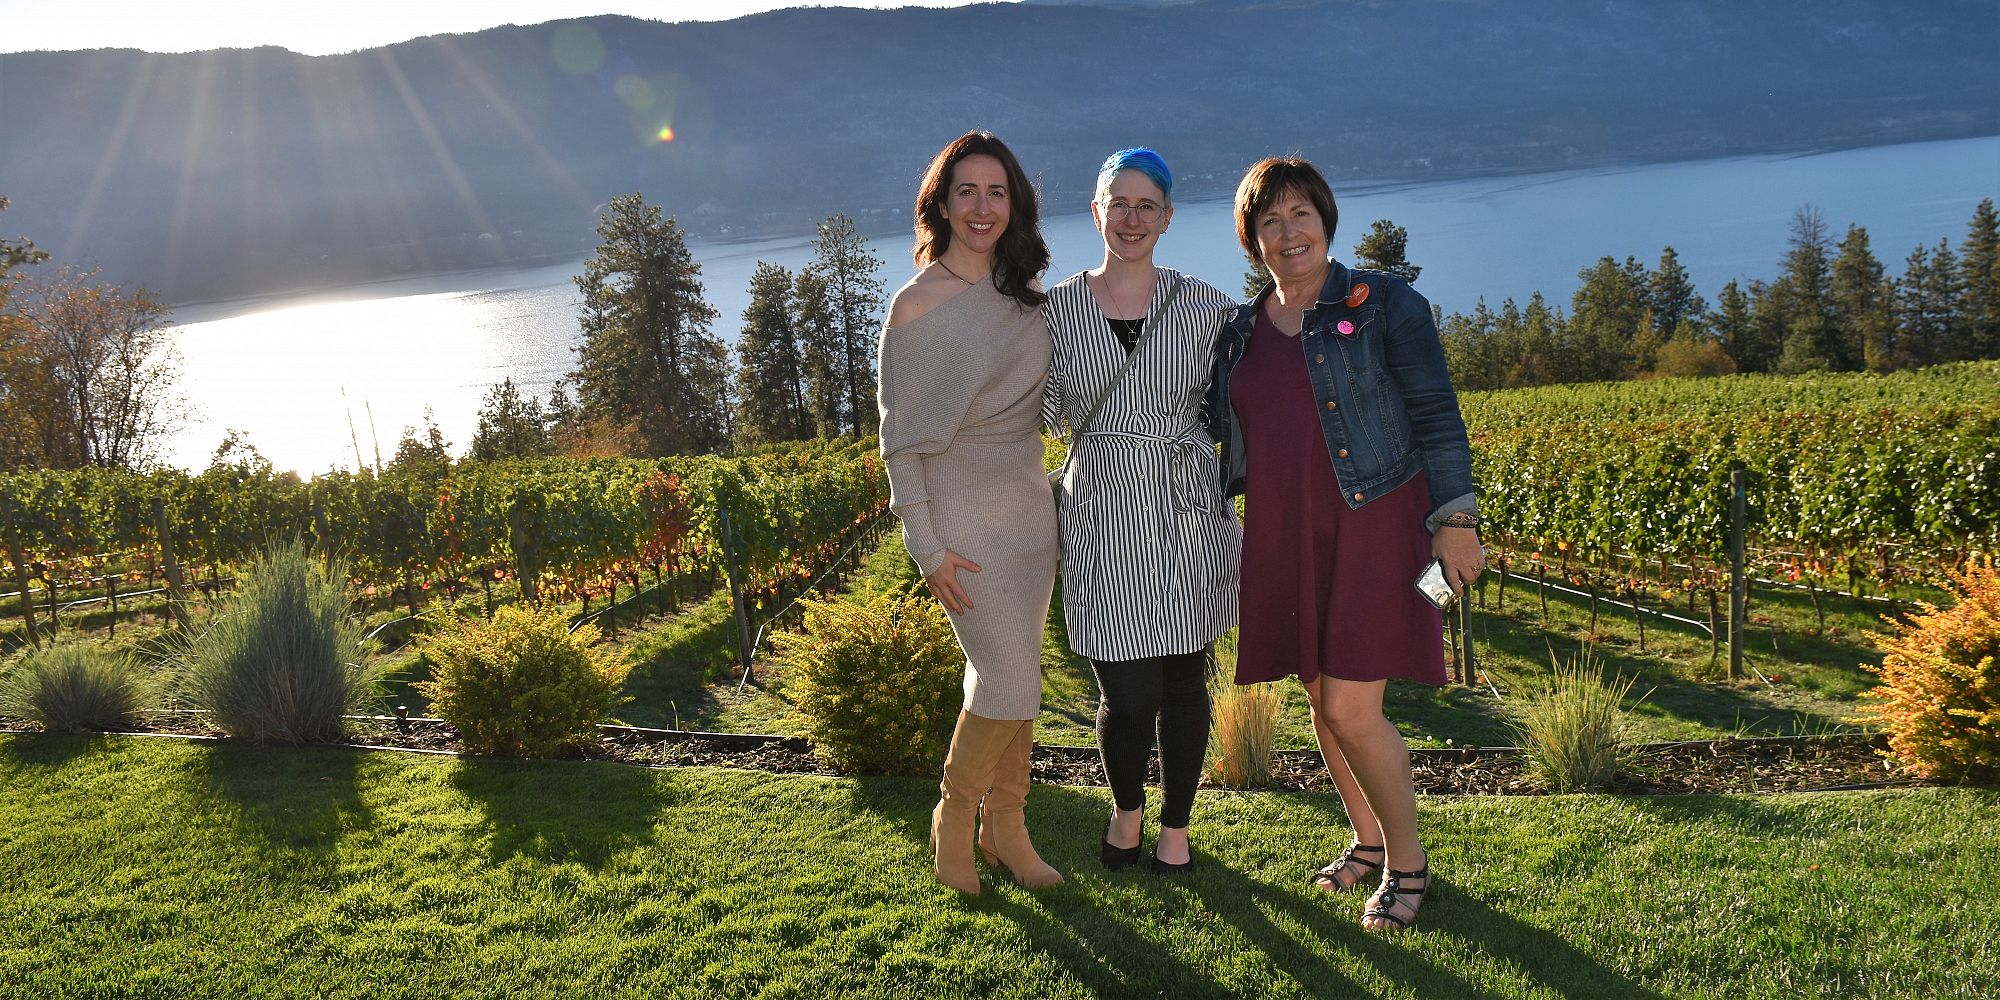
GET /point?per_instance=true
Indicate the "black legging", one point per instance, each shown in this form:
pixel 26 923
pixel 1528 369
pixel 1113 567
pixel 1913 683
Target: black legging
pixel 1135 693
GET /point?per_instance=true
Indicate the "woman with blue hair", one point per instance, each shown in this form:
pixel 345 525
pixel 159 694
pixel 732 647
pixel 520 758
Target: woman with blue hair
pixel 1150 547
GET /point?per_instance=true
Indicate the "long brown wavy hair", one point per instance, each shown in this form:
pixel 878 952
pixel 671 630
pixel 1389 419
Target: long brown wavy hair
pixel 1021 254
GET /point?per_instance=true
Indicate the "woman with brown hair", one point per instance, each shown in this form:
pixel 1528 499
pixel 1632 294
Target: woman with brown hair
pixel 964 356
pixel 1339 425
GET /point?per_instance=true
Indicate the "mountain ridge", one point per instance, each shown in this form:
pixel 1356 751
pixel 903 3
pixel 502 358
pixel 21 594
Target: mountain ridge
pixel 241 171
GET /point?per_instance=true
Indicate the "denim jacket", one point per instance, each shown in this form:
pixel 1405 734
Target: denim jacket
pixel 1385 401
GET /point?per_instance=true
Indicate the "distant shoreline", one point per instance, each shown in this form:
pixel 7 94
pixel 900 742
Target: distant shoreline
pixel 236 305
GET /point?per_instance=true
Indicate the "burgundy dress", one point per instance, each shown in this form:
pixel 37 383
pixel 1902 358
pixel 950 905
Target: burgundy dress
pixel 1326 589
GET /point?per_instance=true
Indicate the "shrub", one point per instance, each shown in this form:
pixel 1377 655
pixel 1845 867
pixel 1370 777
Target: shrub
pixel 76 687
pixel 522 684
pixel 1246 723
pixel 1939 697
pixel 878 682
pixel 1572 733
pixel 282 660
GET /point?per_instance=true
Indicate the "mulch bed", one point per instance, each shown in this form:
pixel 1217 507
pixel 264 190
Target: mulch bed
pixel 1768 764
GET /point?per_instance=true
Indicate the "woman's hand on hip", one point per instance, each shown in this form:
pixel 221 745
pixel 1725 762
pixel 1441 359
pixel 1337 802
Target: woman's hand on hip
pixel 944 582
pixel 1463 558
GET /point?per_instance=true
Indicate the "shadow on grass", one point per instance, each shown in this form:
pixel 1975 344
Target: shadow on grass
pixel 49 749
pixel 1667 694
pixel 1111 931
pixel 300 804
pixel 673 665
pixel 1544 957
pixel 562 811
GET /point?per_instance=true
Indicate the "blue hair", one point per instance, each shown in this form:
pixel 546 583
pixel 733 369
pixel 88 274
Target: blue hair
pixel 1144 161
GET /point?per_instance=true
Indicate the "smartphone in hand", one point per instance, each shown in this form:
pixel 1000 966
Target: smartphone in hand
pixel 1432 585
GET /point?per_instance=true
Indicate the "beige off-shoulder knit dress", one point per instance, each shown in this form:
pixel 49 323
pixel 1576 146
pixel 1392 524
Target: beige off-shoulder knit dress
pixel 961 397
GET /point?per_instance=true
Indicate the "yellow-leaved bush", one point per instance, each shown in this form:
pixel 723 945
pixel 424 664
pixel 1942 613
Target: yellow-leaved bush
pixel 522 684
pixel 1939 696
pixel 878 681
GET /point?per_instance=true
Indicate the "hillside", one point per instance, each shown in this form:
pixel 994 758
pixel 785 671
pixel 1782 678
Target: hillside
pixel 239 171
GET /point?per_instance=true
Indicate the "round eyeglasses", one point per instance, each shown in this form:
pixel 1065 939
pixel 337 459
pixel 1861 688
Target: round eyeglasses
pixel 1117 209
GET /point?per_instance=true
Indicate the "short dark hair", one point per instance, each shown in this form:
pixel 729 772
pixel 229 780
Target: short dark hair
pixel 1265 181
pixel 1021 254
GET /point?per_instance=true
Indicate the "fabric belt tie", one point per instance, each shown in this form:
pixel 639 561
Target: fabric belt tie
pixel 1187 477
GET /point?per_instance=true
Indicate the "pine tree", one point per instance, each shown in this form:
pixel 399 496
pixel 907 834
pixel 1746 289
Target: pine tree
pixel 826 394
pixel 1386 248
pixel 1861 302
pixel 1979 282
pixel 1541 329
pixel 1735 328
pixel 649 361
pixel 1607 311
pixel 1469 346
pixel 1255 278
pixel 1672 295
pixel 1928 303
pixel 511 425
pixel 426 447
pixel 1813 339
pixel 854 297
pixel 770 371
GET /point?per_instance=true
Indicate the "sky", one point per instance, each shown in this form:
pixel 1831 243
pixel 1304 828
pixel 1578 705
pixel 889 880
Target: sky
pixel 317 27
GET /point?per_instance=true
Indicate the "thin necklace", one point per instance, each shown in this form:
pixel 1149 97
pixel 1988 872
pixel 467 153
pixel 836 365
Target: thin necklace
pixel 1105 280
pixel 955 274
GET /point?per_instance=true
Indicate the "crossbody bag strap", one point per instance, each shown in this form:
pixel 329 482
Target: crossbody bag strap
pixel 1145 333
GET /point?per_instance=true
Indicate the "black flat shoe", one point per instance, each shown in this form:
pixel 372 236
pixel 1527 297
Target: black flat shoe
pixel 1168 868
pixel 1115 858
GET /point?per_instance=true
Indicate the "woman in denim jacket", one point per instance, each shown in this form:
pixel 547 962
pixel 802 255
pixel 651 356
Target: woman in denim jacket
pixel 1340 427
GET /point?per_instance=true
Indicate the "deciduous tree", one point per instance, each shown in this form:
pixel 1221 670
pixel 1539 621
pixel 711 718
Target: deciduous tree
pixel 96 371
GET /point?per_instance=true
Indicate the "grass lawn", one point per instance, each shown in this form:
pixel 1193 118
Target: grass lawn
pixel 151 868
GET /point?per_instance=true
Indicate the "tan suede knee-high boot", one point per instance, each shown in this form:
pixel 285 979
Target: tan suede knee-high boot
pixel 976 744
pixel 1003 827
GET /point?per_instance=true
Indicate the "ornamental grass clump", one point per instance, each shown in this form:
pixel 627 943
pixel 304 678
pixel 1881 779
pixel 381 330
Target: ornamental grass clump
pixel 877 681
pixel 523 684
pixel 1246 726
pixel 77 687
pixel 282 661
pixel 1939 696
pixel 1572 733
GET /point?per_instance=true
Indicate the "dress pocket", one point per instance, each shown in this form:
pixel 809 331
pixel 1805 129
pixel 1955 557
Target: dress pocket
pixel 1079 547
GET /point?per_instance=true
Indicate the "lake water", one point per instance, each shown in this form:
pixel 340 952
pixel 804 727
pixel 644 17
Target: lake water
pixel 293 373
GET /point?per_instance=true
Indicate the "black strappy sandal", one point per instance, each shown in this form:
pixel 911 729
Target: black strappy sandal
pixel 1331 873
pixel 1392 891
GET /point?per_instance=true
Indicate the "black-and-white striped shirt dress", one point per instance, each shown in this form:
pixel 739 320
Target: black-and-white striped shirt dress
pixel 1151 549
